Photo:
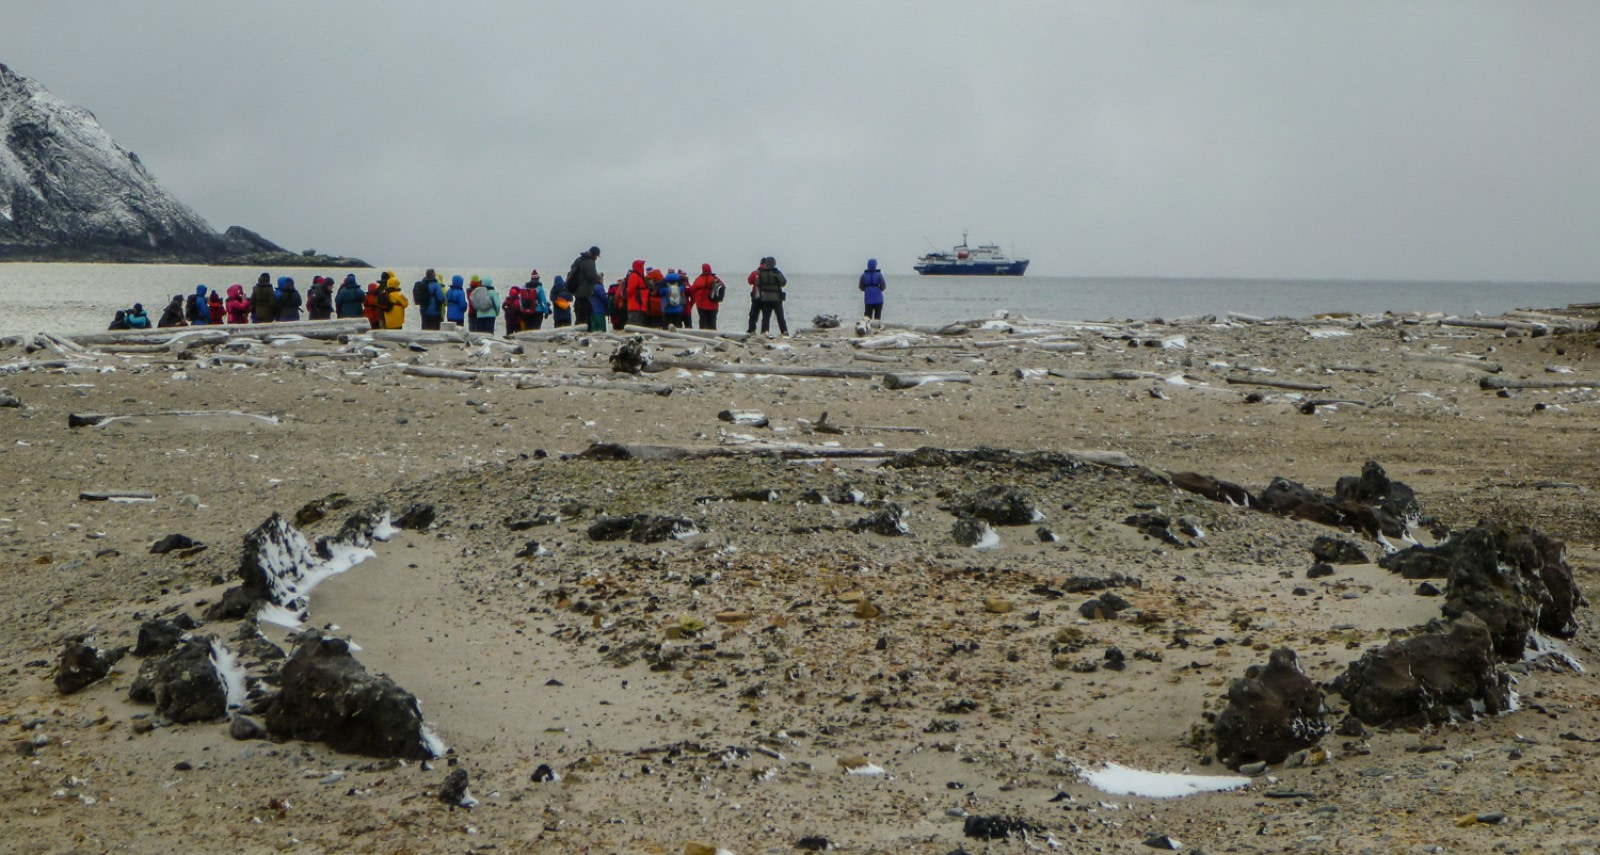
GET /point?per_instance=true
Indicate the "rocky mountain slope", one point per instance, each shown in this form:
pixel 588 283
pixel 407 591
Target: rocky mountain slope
pixel 69 192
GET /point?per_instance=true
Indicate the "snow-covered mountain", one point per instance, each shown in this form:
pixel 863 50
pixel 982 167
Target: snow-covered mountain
pixel 69 192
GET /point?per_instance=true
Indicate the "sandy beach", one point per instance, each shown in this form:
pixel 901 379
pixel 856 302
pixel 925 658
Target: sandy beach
pixel 782 672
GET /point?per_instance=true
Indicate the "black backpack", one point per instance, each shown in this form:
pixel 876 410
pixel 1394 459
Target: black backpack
pixel 419 295
pixel 719 290
pixel 191 307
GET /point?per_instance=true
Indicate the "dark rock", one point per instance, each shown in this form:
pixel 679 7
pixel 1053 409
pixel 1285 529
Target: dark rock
pixel 1084 584
pixel 454 789
pixel 1287 498
pixel 815 843
pixel 1516 580
pixel 1158 526
pixel 544 774
pixel 184 684
pixel 825 322
pixel 1317 571
pixel 1097 609
pixel 416 517
pixel 1395 501
pixel 327 696
pixel 528 550
pixel 245 728
pixel 158 635
pixel 631 357
pixel 1162 841
pixel 1045 535
pixel 1328 549
pixel 641 528
pixel 1428 589
pixel 1427 679
pixel 888 521
pixel 969 531
pixel 1272 712
pixel 236 602
pixel 1212 488
pixel 316 510
pixel 1115 659
pixel 998 505
pixel 81 664
pixel 984 456
pixel 760 494
pixel 173 543
pixel 998 827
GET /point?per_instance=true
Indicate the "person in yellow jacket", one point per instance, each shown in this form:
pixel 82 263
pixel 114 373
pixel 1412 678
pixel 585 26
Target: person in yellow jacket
pixel 395 316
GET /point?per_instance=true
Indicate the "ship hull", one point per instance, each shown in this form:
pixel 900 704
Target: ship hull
pixel 971 268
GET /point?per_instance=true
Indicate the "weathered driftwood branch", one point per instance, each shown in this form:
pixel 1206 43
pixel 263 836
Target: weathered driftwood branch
pixel 76 420
pixel 618 451
pixel 527 381
pixel 109 495
pixel 822 425
pixel 439 373
pixel 1465 361
pixel 419 336
pixel 781 370
pixel 1362 369
pixel 875 357
pixel 1494 382
pixel 310 329
pixel 1279 384
pixel 1117 374
pixel 909 381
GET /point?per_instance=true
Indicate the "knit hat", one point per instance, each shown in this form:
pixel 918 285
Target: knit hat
pixel 594 251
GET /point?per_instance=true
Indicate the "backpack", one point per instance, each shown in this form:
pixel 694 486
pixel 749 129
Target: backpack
pixel 321 300
pixel 191 308
pixel 419 296
pixel 482 303
pixel 382 300
pixel 530 302
pixel 718 290
pixel 674 296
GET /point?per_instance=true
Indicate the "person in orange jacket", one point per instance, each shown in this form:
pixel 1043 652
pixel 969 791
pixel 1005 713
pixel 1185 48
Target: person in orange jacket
pixel 706 294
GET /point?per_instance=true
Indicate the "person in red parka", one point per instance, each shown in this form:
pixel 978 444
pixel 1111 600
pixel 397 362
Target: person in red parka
pixel 238 305
pixel 636 291
pixel 705 294
pixel 219 312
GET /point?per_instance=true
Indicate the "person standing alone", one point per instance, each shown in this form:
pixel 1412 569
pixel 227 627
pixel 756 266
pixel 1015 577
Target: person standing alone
pixel 872 290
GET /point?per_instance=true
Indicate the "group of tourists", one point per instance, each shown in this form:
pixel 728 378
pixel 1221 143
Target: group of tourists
pixel 648 297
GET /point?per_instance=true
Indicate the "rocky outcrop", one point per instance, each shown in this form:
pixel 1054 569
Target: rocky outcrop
pixel 82 664
pixel 184 684
pixel 69 192
pixel 1272 712
pixel 1432 678
pixel 329 697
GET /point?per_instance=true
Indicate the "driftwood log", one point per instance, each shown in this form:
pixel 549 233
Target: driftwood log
pixel 1464 361
pixel 1279 384
pixel 330 329
pixel 76 420
pixel 779 370
pixel 1493 382
pixel 910 381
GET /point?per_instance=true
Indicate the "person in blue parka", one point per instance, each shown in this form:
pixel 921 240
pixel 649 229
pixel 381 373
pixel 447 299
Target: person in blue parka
pixel 455 301
pixel 872 290
pixel 349 301
pixel 289 300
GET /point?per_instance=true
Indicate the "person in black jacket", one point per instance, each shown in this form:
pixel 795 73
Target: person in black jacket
pixel 582 279
pixel 769 282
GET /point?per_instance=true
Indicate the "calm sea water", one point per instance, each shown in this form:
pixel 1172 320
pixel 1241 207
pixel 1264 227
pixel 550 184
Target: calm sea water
pixel 79 298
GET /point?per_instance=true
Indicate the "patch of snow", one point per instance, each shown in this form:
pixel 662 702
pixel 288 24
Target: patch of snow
pixel 990 539
pixel 433 743
pixel 1176 342
pixel 1120 780
pixel 384 529
pixel 129 500
pixel 1541 645
pixel 230 672
pixel 869 770
pixel 1327 332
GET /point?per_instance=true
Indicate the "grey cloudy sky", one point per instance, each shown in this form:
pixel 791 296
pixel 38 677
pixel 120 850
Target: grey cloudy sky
pixel 1392 139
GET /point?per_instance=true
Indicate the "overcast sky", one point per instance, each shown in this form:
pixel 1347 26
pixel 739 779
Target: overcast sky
pixel 1389 139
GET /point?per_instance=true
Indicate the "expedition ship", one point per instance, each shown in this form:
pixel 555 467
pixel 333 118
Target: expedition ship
pixel 985 259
